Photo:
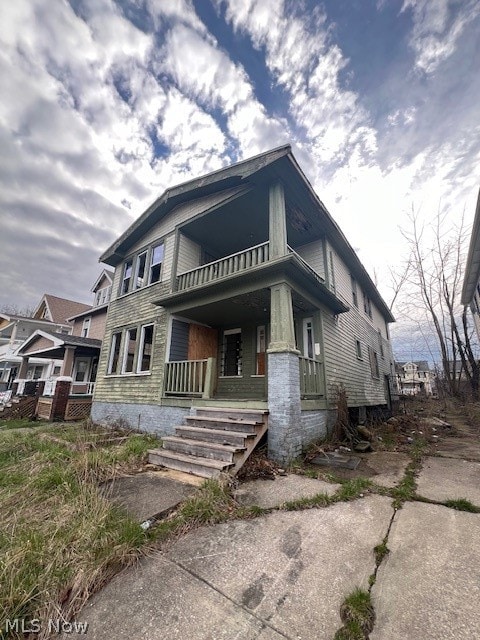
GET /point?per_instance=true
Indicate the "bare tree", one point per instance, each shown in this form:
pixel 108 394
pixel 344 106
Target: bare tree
pixel 14 310
pixel 431 288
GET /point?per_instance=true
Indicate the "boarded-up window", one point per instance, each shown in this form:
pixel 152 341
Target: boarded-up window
pixel 373 363
pixel 179 341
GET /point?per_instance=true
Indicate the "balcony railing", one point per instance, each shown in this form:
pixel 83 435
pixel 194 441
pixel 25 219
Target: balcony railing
pixel 190 378
pixel 311 377
pixel 246 259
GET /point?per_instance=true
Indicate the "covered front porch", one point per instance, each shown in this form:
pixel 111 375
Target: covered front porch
pixel 68 395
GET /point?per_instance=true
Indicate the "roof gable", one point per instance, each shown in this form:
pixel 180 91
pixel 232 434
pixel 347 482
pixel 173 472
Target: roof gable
pixel 105 279
pixel 58 310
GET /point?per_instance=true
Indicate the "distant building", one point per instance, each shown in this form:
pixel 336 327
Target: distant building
pixel 471 282
pixel 414 378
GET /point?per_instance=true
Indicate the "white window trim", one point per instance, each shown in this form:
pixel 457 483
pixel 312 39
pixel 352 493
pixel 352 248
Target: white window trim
pixel 113 343
pixel 305 322
pixel 125 351
pixel 150 263
pixel 239 364
pixel 86 325
pixel 87 370
pixel 141 346
pixel 136 270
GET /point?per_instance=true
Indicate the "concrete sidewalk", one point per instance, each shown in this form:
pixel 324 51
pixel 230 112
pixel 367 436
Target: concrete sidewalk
pixel 286 574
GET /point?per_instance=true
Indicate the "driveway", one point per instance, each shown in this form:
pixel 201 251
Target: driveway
pixel 286 574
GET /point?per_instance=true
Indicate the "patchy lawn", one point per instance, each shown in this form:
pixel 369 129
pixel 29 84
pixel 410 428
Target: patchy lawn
pixel 59 538
pixel 18 423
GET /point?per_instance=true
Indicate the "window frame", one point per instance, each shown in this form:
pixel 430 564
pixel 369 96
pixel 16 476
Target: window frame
pixel 141 346
pixel 151 264
pixel 125 278
pixel 126 346
pixel 374 364
pixel 115 341
pixel 354 287
pixel 87 323
pixel 136 277
pixel 358 349
pixel 239 373
pixel 134 260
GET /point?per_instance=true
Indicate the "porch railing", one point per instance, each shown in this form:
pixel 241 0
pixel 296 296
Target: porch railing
pixel 190 377
pixel 82 388
pixel 224 267
pixel 311 377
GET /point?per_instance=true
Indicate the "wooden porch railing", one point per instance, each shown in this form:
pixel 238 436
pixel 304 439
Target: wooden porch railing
pixel 190 377
pixel 224 267
pixel 311 377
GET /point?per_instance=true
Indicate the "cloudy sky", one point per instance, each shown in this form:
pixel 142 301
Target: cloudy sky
pixel 106 103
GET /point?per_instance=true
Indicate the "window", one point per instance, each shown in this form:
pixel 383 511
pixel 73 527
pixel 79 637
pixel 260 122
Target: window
pixel 34 372
pixel 354 291
pixel 232 353
pixel 358 348
pixel 86 327
pixel 145 351
pixel 308 341
pixel 140 265
pixel 130 348
pixel 127 276
pixel 373 363
pixel 56 371
pixel 380 343
pixel 367 305
pixel 81 370
pixel 114 353
pixel 261 347
pixel 103 295
pixel 156 260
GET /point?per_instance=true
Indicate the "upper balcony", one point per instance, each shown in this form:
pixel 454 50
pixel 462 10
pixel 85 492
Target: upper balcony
pixel 250 269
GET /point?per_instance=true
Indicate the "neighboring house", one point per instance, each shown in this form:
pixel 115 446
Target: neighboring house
pixel 471 282
pixel 51 315
pixel 77 351
pixel 238 290
pixel 415 378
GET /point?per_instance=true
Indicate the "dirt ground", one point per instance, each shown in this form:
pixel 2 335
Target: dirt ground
pixel 449 429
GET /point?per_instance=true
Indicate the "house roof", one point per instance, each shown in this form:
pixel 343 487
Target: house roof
pixel 106 273
pixel 60 309
pixel 59 342
pixel 472 270
pixel 278 163
pixel 422 365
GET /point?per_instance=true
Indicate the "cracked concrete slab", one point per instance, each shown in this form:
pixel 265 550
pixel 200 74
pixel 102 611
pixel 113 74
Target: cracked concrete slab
pixel 273 493
pixel 448 479
pixel 146 494
pixel 388 467
pixel 292 569
pixel 428 586
pixel 158 600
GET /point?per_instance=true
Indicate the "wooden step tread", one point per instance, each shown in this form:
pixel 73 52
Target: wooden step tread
pixel 220 432
pixel 193 460
pixel 230 410
pixel 251 423
pixel 204 443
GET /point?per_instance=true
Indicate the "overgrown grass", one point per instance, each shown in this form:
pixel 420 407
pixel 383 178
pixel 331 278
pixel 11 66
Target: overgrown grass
pixel 60 539
pixel 18 423
pixel 462 504
pixel 357 615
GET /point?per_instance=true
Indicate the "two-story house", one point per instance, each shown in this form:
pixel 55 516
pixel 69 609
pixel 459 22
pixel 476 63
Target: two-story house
pixel 237 292
pixel 51 315
pixel 414 378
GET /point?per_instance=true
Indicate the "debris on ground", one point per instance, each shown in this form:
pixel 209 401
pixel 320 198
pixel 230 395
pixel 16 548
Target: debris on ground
pixel 259 466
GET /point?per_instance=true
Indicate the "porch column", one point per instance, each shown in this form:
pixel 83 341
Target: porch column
pixel 68 360
pixel 277 221
pixel 22 372
pixel 284 405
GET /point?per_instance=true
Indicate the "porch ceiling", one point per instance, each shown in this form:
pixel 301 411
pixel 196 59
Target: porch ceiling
pixel 252 307
pixel 244 222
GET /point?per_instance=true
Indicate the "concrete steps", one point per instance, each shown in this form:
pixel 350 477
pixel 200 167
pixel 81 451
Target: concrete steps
pixel 214 441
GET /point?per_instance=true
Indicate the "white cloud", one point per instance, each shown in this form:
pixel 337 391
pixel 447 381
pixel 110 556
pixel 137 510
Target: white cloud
pixel 437 28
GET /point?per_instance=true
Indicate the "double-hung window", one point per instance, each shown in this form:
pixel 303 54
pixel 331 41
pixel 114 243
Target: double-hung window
pixel 142 269
pixel 145 349
pixel 156 260
pixel 127 275
pixel 86 327
pixel 130 349
pixel 114 358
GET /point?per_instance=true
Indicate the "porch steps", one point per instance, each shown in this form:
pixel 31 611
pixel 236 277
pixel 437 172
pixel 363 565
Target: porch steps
pixel 215 441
